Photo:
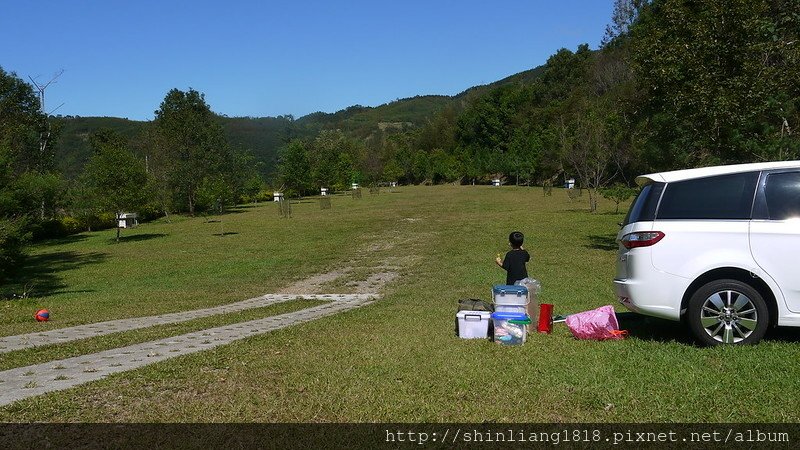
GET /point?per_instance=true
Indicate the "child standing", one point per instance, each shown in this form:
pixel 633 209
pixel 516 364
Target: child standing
pixel 514 264
pixel 515 260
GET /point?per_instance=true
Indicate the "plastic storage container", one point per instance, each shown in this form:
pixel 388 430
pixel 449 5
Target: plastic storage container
pixel 533 287
pixel 510 328
pixel 473 324
pixel 512 299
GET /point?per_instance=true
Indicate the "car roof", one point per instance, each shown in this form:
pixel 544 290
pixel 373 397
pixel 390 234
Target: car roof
pixel 701 172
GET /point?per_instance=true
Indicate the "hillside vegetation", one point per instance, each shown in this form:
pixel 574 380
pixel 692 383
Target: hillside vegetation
pixel 265 136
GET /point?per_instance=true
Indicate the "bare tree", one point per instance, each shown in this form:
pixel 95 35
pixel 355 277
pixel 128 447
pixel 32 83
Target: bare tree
pixel 588 148
pixel 623 16
pixel 44 135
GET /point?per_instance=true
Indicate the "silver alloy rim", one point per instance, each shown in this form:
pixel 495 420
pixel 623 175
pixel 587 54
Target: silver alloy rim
pixel 729 316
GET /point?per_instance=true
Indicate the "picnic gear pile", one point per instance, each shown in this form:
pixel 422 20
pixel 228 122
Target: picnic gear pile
pixel 515 311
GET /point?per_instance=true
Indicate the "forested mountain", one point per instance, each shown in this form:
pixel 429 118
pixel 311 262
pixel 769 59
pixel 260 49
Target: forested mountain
pixel 73 149
pixel 265 136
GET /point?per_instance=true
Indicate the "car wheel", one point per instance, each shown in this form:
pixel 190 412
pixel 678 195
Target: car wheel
pixel 727 312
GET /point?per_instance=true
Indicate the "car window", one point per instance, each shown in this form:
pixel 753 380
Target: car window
pixel 783 195
pixel 644 206
pixel 718 197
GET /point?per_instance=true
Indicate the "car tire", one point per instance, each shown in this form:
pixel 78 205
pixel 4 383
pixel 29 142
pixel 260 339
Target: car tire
pixel 727 312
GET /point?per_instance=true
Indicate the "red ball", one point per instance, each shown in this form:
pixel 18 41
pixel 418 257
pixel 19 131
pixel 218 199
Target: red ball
pixel 42 315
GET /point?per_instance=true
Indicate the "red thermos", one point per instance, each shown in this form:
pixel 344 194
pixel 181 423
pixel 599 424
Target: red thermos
pixel 545 318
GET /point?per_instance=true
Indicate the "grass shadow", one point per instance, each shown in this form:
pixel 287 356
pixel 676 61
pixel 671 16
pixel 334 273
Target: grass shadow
pixel 40 274
pixel 139 237
pixel 227 233
pixel 653 329
pixel 227 211
pixel 574 211
pixel 71 239
pixel 607 242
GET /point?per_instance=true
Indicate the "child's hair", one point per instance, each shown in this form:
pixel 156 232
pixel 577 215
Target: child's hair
pixel 515 239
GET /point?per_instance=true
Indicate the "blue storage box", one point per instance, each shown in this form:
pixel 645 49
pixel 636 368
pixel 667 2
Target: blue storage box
pixel 510 328
pixel 508 298
pixel 509 290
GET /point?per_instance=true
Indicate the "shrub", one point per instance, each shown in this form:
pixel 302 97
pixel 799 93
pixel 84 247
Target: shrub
pixel 104 221
pixel 12 244
pixel 618 193
pixel 48 229
pixel 71 225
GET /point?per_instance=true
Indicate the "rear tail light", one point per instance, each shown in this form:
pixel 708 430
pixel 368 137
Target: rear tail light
pixel 641 239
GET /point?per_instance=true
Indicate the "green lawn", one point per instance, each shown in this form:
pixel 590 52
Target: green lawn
pixel 395 360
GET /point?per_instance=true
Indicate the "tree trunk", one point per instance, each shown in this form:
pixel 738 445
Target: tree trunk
pixel 592 200
pixel 191 205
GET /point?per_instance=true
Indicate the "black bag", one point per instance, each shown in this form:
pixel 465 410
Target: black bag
pixel 474 304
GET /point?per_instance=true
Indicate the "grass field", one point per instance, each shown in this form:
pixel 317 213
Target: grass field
pixel 395 360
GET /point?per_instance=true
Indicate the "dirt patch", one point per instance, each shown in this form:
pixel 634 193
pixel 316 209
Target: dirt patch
pixel 367 272
pixel 313 284
pixel 374 283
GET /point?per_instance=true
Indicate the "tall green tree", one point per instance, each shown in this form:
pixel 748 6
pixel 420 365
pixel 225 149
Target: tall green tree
pixel 21 125
pixel 190 146
pixel 28 189
pixel 720 80
pixel 323 158
pixel 116 179
pixel 294 169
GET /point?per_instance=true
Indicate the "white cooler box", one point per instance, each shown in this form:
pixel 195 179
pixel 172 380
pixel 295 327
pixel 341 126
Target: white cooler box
pixel 512 299
pixel 473 324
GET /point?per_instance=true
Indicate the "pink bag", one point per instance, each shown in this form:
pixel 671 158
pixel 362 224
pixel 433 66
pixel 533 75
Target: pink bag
pixel 598 324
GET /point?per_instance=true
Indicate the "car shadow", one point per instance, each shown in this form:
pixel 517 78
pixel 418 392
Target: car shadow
pixel 661 330
pixel 783 334
pixel 653 329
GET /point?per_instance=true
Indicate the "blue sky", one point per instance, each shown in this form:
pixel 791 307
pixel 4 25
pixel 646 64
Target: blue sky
pixel 266 58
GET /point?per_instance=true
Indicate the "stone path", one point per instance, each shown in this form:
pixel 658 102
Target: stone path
pixel 61 335
pixel 24 382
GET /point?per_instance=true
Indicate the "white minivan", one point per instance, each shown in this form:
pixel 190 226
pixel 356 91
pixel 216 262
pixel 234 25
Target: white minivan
pixel 715 247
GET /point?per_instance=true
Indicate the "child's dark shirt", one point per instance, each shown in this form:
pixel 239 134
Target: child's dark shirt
pixel 514 263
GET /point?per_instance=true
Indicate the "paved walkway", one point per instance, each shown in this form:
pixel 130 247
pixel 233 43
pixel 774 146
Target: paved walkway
pixel 61 335
pixel 24 382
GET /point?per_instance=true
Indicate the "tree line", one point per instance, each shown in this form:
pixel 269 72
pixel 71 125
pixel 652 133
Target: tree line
pixel 675 84
pixel 183 164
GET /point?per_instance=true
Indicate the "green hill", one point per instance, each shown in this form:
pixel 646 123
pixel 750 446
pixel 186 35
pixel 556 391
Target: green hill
pixel 72 149
pixel 264 136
